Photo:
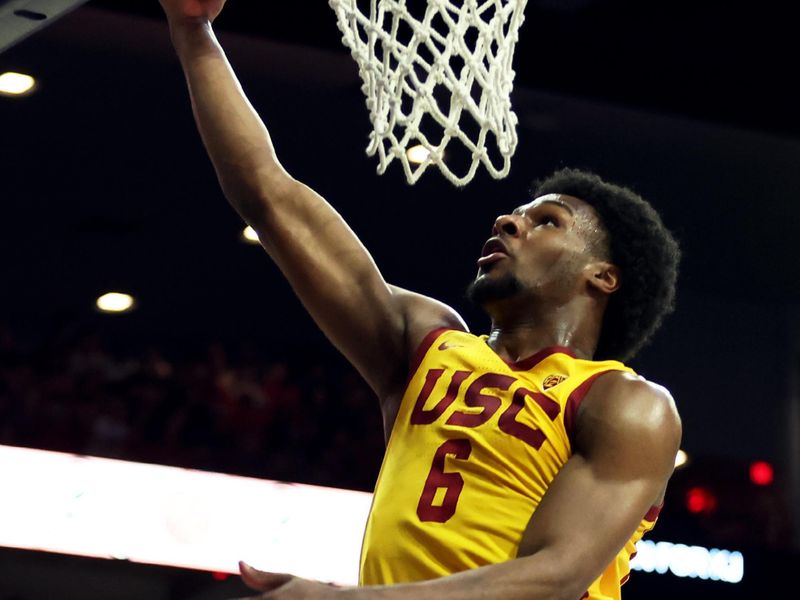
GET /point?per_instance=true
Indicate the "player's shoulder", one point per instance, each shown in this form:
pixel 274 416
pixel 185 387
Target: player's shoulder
pixel 622 398
pixel 629 427
pixel 422 317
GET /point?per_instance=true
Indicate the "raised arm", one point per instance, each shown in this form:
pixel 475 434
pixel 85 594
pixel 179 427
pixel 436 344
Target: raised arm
pixel 329 269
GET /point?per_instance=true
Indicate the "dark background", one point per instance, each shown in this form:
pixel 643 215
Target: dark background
pixel 106 186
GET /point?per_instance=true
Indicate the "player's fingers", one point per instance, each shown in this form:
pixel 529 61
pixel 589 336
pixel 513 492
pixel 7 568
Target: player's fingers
pixel 262 581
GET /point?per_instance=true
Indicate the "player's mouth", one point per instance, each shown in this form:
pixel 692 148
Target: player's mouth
pixel 493 250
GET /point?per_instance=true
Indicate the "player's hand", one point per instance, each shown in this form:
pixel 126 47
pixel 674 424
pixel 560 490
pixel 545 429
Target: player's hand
pixel 280 586
pixel 186 10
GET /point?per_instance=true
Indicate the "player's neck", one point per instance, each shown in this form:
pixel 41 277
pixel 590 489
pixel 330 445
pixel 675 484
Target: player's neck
pixel 515 336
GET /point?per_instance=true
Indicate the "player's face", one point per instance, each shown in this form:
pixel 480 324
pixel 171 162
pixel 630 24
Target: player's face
pixel 543 247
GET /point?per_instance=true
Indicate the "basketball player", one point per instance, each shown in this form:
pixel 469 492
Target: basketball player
pixel 522 464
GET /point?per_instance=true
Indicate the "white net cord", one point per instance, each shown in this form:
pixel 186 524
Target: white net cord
pixel 433 77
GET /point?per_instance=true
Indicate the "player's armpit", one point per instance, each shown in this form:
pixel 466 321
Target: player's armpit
pixel 421 315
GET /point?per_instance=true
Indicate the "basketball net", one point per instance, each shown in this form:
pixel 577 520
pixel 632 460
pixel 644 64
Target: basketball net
pixel 436 76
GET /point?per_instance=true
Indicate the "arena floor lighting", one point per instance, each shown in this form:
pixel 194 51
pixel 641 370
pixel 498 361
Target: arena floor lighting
pixel 159 515
pixel 113 509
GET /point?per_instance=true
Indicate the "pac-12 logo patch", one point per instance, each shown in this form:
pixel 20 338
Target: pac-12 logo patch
pixel 552 381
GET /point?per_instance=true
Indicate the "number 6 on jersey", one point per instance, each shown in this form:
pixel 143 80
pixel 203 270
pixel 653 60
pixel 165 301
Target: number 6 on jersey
pixel 452 483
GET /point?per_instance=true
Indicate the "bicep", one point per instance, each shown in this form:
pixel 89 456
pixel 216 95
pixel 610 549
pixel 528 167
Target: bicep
pixel 600 496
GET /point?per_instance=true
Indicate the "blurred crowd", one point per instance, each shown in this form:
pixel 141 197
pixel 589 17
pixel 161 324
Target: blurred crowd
pixel 287 417
pixel 226 410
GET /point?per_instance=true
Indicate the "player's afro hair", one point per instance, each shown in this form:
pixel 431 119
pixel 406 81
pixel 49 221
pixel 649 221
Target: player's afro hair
pixel 640 245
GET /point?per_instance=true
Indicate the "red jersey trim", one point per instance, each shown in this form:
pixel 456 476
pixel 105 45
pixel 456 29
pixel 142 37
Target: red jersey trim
pixel 422 350
pixel 574 403
pixel 653 513
pixel 526 364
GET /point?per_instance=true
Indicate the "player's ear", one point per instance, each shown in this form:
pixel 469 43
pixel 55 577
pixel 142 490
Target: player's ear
pixel 603 276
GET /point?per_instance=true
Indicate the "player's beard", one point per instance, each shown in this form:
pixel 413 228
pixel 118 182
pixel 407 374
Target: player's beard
pixel 485 290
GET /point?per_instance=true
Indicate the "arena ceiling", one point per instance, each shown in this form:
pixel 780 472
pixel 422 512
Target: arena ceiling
pixel 106 184
pixel 718 61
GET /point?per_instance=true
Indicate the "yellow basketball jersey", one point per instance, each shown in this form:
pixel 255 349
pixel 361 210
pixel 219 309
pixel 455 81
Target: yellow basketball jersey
pixel 476 443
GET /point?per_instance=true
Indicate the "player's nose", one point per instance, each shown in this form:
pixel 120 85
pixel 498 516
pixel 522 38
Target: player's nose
pixel 508 224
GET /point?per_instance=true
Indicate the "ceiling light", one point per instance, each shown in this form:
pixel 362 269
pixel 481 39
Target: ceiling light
pixel 681 458
pixel 16 84
pixel 249 235
pixel 115 302
pixel 418 154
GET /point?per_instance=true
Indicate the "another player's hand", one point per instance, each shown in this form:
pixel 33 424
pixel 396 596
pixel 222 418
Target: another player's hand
pixel 280 586
pixel 185 10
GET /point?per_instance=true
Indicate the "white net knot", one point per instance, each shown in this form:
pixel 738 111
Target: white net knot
pixel 436 73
